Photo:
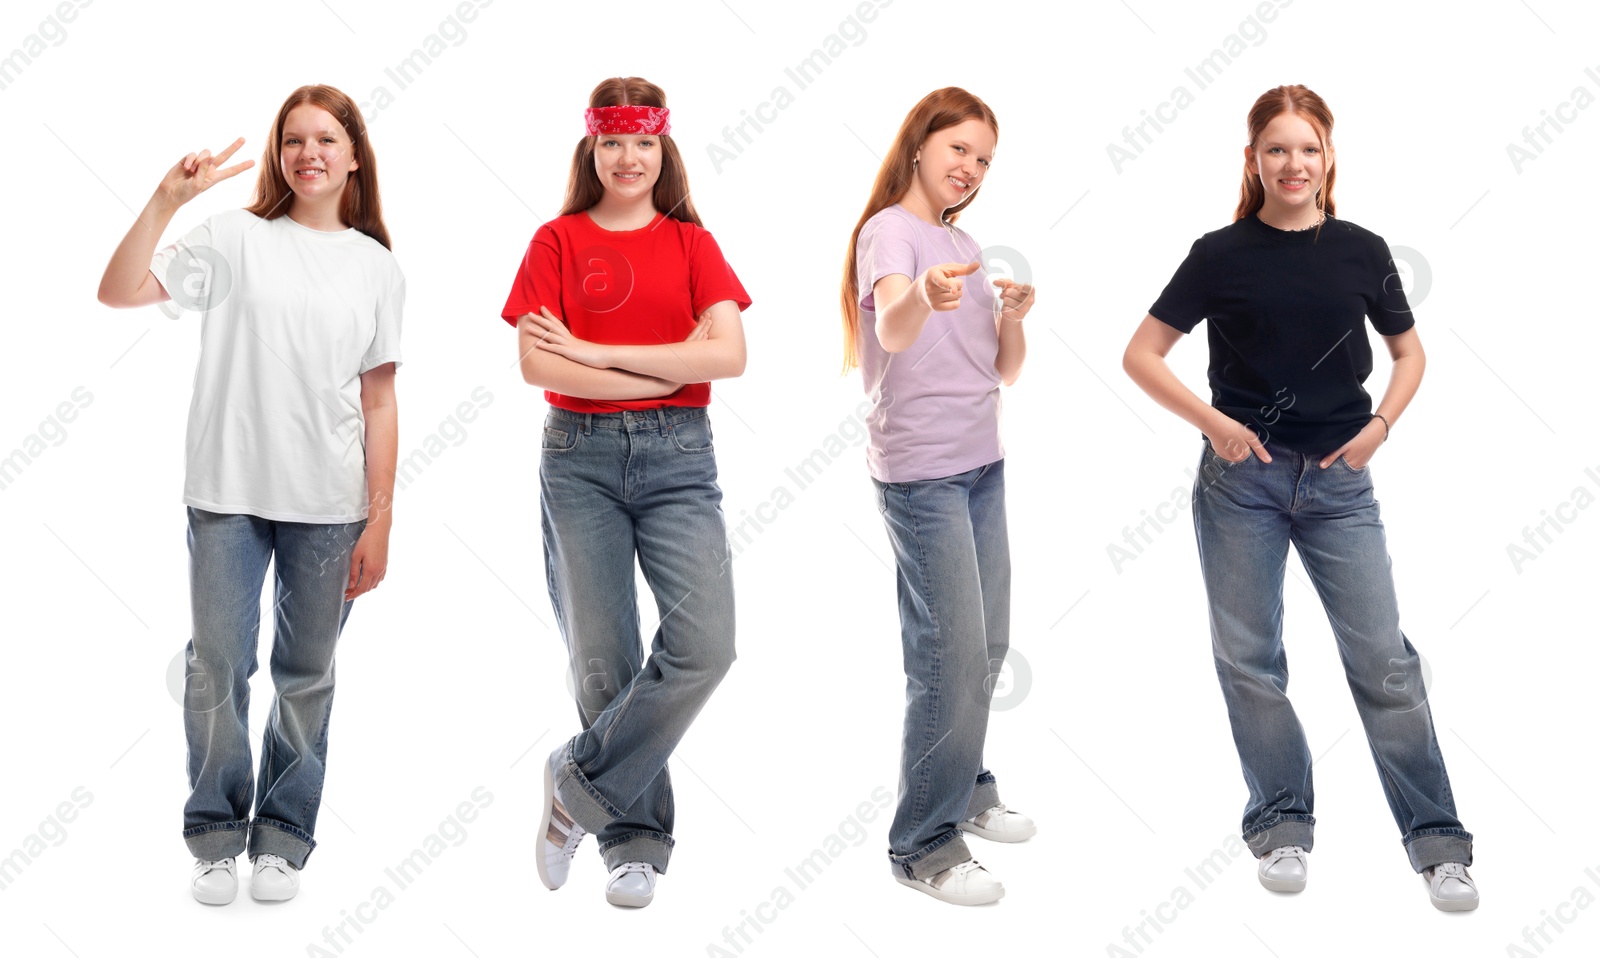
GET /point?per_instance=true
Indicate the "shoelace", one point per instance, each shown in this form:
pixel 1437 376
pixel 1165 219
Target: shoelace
pixel 1279 854
pixel 570 846
pixel 273 861
pixel 956 873
pixel 206 868
pixel 629 868
pixel 989 814
pixel 1448 870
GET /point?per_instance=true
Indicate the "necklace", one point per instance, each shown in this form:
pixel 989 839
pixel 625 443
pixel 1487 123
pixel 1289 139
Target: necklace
pixel 1301 229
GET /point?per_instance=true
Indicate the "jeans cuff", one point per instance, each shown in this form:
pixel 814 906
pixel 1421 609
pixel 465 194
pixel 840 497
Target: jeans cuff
pixel 215 841
pixel 269 836
pixel 1287 830
pixel 653 848
pixel 583 802
pixel 984 797
pixel 938 855
pixel 1435 846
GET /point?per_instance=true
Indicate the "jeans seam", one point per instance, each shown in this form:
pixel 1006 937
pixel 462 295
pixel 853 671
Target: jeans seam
pixel 924 782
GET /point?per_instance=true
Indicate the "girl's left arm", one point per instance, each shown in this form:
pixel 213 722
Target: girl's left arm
pixel 370 560
pixel 1409 360
pixel 719 355
pixel 1016 300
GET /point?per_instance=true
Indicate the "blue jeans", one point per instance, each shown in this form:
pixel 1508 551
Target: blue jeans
pixel 228 556
pixel 615 486
pixel 1245 516
pixel 953 579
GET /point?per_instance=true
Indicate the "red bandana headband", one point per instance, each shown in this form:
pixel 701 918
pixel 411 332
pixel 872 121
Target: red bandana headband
pixel 628 120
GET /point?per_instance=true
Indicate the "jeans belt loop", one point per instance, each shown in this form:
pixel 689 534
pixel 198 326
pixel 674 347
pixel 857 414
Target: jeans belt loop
pixel 588 422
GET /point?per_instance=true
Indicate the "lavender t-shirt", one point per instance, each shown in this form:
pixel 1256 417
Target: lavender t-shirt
pixel 936 405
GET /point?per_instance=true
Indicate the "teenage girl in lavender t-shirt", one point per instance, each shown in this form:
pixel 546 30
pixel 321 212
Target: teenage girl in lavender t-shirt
pixel 933 353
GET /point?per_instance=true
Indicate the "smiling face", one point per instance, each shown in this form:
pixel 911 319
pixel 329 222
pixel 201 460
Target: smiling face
pixel 628 165
pixel 1292 165
pixel 315 154
pixel 952 163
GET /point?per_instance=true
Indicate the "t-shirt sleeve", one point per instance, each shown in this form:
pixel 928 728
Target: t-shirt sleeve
pixel 711 279
pixel 188 269
pixel 886 246
pixel 538 281
pixel 1187 298
pixel 385 346
pixel 1390 311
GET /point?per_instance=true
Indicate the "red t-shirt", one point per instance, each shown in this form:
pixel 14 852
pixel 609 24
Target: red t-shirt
pixel 638 287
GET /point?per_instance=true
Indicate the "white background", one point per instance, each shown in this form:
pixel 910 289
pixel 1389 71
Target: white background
pixel 1116 740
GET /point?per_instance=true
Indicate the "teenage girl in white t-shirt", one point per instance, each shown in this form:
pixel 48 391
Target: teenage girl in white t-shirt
pixel 290 458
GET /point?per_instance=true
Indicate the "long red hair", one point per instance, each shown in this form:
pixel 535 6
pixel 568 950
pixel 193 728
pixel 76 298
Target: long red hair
pixel 1296 99
pixel 359 205
pixel 943 108
pixel 671 195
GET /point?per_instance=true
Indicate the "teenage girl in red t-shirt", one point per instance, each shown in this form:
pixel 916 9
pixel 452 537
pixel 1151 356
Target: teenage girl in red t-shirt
pixel 625 312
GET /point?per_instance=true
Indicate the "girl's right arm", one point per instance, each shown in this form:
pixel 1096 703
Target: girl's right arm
pixel 905 304
pixel 1145 362
pixel 128 280
pixel 545 369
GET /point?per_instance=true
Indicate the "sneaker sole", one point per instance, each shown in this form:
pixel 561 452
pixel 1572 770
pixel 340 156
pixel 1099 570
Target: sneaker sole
pixel 273 896
pixel 205 898
pixel 995 836
pixel 629 901
pixel 976 898
pixel 1454 904
pixel 544 827
pixel 1278 884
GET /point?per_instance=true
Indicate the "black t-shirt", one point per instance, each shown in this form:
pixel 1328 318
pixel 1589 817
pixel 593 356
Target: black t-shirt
pixel 1289 351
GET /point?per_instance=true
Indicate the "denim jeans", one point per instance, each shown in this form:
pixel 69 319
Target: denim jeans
pixel 953 579
pixel 228 557
pixel 1245 516
pixel 615 486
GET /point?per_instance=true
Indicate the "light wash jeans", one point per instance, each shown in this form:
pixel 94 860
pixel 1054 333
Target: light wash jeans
pixel 228 556
pixel 1245 516
pixel 613 487
pixel 953 579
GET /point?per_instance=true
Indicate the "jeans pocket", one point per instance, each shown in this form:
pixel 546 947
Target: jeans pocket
pixel 1219 457
pixel 1346 463
pixel 559 436
pixel 692 435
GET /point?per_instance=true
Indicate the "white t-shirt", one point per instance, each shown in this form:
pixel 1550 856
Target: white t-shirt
pixel 291 318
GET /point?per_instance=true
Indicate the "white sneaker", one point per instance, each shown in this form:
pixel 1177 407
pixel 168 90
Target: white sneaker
pixel 1283 869
pixel 1000 824
pixel 632 884
pixel 1450 887
pixel 559 835
pixel 214 883
pixel 274 879
pixel 968 883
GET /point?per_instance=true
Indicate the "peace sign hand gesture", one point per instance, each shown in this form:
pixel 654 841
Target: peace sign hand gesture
pixel 198 172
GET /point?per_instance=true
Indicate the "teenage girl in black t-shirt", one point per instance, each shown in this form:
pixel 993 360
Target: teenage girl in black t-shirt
pixel 1285 290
